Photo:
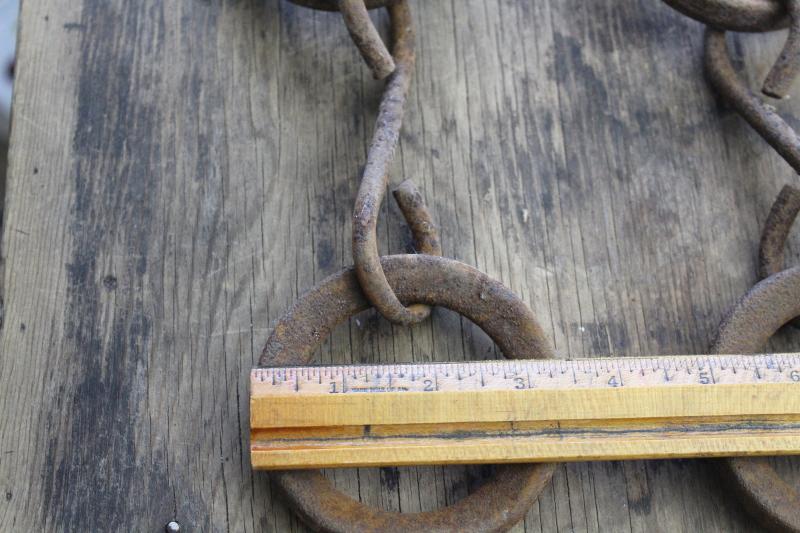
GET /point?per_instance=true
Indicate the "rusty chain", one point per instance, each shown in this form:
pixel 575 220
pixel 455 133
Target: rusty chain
pixel 403 287
pixel 776 299
pixel 376 175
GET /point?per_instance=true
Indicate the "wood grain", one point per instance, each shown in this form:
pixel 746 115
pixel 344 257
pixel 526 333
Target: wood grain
pixel 180 171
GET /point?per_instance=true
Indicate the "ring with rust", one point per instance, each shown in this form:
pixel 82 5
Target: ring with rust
pixel 754 319
pixel 504 499
pixel 736 15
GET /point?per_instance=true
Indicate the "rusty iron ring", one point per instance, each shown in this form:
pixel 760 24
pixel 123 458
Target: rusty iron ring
pixel 375 177
pixel 748 326
pixel 500 502
pixel 735 15
pixel 761 117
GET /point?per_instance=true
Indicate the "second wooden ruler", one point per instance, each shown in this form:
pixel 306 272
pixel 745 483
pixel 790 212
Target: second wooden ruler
pixel 523 411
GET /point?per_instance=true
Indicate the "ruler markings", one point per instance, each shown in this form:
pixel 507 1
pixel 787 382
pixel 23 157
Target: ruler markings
pixel 525 411
pixel 779 364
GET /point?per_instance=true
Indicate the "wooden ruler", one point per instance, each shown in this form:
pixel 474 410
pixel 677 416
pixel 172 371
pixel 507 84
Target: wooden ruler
pixel 525 411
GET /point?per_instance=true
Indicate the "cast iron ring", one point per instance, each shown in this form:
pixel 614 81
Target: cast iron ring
pixel 499 503
pixel 753 320
pixel 735 15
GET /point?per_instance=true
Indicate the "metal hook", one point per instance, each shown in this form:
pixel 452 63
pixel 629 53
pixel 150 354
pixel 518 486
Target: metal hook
pixel 375 177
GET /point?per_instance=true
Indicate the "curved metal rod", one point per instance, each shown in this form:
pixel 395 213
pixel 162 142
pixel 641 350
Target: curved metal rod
pixel 776 230
pixel 420 222
pixel 761 117
pixel 787 66
pixel 333 5
pixel 426 236
pixel 366 38
pixel 375 177
pixel 735 15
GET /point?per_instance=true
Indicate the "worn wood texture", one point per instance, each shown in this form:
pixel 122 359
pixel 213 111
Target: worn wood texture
pixel 181 171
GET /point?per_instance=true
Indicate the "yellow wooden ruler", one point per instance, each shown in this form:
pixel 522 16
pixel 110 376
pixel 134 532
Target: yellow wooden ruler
pixel 525 411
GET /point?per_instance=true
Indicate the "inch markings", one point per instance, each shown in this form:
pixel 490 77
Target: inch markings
pixel 628 372
pixel 525 411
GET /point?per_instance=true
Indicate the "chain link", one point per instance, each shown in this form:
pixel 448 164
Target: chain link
pixel 374 180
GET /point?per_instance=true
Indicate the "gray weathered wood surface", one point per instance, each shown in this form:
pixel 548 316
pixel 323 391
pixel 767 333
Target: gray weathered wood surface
pixel 181 171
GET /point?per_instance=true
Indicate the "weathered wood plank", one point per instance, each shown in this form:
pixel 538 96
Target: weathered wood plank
pixel 180 172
